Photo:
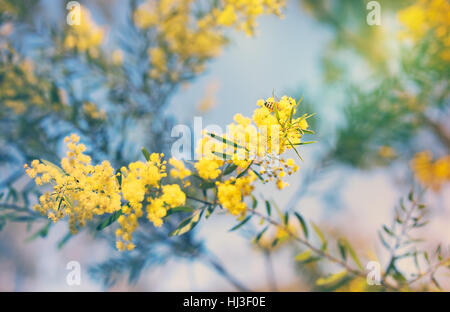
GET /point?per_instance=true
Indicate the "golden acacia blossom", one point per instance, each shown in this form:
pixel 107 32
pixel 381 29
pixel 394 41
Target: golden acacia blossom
pixel 84 37
pixel 428 16
pixel 260 141
pixel 80 190
pixel 186 38
pixel 232 192
pixel 431 173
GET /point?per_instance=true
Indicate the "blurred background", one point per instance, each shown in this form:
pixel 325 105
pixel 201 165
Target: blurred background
pixel 381 98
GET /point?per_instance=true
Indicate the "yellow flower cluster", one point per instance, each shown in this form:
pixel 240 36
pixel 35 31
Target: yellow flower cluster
pixel 179 171
pixel 428 16
pixel 18 86
pixel 242 14
pixel 172 196
pixel 273 132
pixel 208 168
pixel 431 173
pixel 283 131
pixel 84 37
pixel 178 36
pixel 185 38
pixel 232 192
pixel 80 190
pixel 138 181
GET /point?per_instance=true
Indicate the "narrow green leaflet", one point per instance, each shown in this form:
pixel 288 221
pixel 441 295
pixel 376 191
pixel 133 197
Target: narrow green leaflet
pixel 305 143
pixel 254 202
pixel 268 208
pixel 223 140
pixel 302 223
pixel 320 234
pixel 260 234
pixel 179 209
pixel 332 279
pixel 109 220
pixel 119 177
pixel 145 153
pixel 48 163
pixel 352 253
pixel 229 169
pixel 245 170
pixel 40 233
pixel 342 249
pixel 237 226
pixel 293 147
pixel 388 231
pixel 64 240
pixel 187 224
pixel 303 256
pixel 286 218
pixel 258 175
pixel 222 155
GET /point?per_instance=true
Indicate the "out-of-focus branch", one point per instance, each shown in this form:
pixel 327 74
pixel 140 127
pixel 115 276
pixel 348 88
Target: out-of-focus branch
pixel 431 270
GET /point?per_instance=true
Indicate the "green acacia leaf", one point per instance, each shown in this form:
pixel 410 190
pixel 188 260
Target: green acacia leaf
pixel 258 175
pixel 187 224
pixel 222 155
pixel 229 169
pixel 303 256
pixel 320 235
pixel 109 220
pixel 260 234
pixel 332 279
pixel 145 153
pixel 254 202
pixel 277 115
pixel 388 231
pixel 64 240
pixel 179 209
pixel 383 241
pixel 245 170
pixel 342 249
pixel 207 185
pixel 286 218
pixel 304 143
pixel 40 233
pixel 237 226
pixel 119 177
pixel 302 223
pixel 268 208
pixel 352 253
pixel 49 163
pixel 223 140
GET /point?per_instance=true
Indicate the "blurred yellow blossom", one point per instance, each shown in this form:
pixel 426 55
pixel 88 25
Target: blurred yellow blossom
pixel 117 57
pixel 387 152
pixel 427 16
pixel 431 173
pixel 187 39
pixel 84 37
pixel 80 190
pixel 92 112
